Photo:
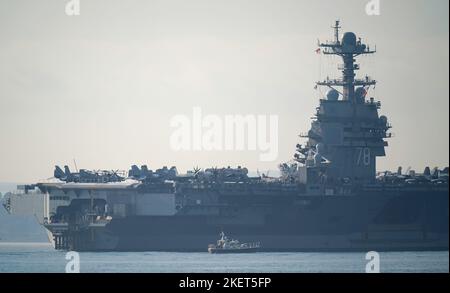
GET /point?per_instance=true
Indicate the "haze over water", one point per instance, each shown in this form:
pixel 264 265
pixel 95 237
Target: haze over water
pixel 38 257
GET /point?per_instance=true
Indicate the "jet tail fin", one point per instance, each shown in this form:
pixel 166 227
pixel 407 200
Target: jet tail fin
pixel 59 173
pixel 67 170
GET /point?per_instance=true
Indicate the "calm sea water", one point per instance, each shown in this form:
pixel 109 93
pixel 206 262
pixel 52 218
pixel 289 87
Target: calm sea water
pixel 29 257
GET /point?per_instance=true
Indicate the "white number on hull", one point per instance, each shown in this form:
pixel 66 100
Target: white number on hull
pixel 363 156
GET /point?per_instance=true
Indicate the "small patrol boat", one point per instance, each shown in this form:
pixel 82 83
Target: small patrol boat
pixel 227 245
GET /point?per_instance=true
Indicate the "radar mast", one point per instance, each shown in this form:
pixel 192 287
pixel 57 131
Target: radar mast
pixel 349 48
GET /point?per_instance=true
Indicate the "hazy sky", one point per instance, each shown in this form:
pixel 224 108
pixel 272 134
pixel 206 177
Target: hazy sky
pixel 102 87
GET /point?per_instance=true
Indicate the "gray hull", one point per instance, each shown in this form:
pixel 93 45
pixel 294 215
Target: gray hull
pixel 412 221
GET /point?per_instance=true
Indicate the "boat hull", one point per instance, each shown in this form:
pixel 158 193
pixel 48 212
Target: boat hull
pixel 232 251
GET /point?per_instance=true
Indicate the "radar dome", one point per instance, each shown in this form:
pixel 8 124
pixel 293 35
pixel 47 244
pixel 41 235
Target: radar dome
pixel 349 39
pixel 332 95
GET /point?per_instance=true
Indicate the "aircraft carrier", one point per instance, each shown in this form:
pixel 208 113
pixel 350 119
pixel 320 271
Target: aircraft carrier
pixel 328 198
